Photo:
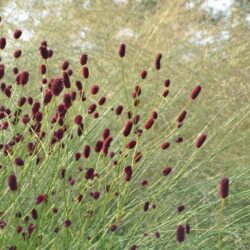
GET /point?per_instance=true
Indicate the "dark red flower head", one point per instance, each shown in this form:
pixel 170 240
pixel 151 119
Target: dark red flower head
pixel 31 228
pixel 98 146
pixel 122 50
pixel 43 69
pixel 57 86
pixel 102 100
pixel 78 119
pixel 85 72
pixel 34 214
pixel 17 34
pixel 149 123
pixel 144 74
pixel 67 223
pixel 92 108
pixel 67 100
pixel 21 101
pixel 165 145
pixel 182 116
pixel 195 92
pixel 12 182
pixel 86 151
pixel 90 174
pixel 180 208
pixel 17 53
pixel 131 144
pixel 2 71
pixel 44 52
pixel 167 83
pixel 128 173
pixel 201 139
pixel 36 107
pixel 79 85
pixel 19 162
pixel 106 145
pixel 83 59
pixel 146 206
pixel 65 65
pixel 158 61
pixel 166 171
pixel 138 156
pixel 113 228
pixel 106 133
pixel 23 78
pixel 165 93
pixel 41 198
pixel 59 134
pixel 95 195
pixel 127 128
pixel 94 89
pixel 66 80
pixel 154 115
pixel 180 233
pixel 224 187
pixel 119 109
pixel 47 97
pixel 2 42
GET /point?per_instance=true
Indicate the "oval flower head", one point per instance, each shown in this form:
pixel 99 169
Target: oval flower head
pixel 224 187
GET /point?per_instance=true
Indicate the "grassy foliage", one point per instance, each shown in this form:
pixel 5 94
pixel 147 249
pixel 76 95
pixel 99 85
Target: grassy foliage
pixel 196 50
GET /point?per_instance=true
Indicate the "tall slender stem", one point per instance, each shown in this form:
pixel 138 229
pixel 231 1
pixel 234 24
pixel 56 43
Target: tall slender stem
pixel 220 222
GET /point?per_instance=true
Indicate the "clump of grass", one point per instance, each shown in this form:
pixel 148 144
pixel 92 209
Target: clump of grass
pixel 76 160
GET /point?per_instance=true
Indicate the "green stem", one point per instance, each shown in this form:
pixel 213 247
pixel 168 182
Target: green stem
pixel 220 222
